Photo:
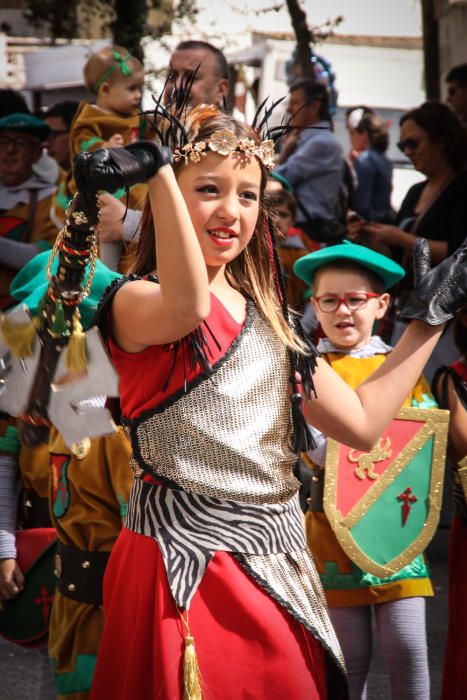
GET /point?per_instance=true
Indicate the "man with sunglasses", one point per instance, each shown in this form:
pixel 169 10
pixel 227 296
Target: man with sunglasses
pixel 456 81
pixel 25 197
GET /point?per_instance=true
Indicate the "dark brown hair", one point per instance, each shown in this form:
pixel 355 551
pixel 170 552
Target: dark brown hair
pixel 281 198
pixel 443 126
pixel 373 279
pixel 377 130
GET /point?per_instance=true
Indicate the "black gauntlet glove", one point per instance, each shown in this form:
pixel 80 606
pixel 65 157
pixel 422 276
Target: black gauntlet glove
pixel 439 292
pixel 114 168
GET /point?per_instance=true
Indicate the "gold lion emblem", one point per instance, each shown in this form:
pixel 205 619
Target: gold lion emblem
pixel 381 451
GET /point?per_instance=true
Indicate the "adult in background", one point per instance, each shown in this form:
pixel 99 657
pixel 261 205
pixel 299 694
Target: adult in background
pixel 435 141
pixel 456 81
pixel 211 86
pixel 25 198
pixel 312 161
pixel 59 117
pixel 353 117
pixel 372 195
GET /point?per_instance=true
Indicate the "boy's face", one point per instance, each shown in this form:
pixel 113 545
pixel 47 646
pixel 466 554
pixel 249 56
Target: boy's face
pixel 344 327
pixel 284 219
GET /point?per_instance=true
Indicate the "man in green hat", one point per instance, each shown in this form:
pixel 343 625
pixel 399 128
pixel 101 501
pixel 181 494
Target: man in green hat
pixel 26 227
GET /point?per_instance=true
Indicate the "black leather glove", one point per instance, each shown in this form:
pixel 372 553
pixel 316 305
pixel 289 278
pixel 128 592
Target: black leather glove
pixel 113 168
pixel 439 292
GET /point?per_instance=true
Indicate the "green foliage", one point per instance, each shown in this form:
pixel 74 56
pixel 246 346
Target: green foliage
pixel 62 17
pixel 126 21
pixel 130 24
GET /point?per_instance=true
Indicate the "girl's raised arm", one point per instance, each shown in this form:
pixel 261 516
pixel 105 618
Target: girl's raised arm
pixel 145 313
pixel 358 418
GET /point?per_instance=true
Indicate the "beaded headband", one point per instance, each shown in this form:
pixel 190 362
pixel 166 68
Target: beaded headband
pixel 224 142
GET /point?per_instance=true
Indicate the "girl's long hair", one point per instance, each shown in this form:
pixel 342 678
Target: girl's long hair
pixel 254 271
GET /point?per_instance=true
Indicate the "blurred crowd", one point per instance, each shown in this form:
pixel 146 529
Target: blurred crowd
pixel 319 195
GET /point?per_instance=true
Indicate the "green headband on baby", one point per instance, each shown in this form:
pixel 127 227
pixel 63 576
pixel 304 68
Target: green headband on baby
pixel 121 62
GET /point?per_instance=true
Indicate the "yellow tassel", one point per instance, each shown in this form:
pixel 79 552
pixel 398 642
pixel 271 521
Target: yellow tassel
pixel 19 337
pixel 76 359
pixel 191 675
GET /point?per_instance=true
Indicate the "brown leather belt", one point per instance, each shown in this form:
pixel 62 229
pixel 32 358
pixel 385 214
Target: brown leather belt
pixel 80 573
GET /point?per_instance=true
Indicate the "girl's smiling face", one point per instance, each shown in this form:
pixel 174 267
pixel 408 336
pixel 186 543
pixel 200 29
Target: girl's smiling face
pixel 222 194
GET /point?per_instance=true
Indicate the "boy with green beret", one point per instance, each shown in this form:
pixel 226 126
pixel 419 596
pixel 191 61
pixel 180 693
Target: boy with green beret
pixel 349 294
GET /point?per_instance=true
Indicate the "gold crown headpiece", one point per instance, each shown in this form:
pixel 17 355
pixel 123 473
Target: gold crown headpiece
pixel 224 142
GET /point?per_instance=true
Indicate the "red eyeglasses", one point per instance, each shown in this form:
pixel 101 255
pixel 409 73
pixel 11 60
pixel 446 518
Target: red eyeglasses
pixel 353 300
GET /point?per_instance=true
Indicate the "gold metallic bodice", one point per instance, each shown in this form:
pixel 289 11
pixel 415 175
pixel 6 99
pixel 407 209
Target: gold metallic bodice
pixel 228 436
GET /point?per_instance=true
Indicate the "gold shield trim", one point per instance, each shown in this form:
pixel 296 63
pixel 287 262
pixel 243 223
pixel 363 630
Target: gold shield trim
pixel 435 423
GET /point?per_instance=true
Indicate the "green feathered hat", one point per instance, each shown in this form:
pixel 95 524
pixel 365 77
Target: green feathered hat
pixel 388 270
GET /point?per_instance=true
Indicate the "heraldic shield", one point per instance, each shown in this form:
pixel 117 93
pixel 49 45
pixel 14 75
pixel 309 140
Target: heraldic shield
pixel 384 505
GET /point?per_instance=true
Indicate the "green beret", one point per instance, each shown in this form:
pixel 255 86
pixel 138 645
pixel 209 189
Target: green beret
pixel 283 180
pixel 388 270
pixel 25 123
pixel 30 285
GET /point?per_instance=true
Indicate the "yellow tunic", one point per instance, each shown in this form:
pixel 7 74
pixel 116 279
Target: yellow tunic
pixel 344 583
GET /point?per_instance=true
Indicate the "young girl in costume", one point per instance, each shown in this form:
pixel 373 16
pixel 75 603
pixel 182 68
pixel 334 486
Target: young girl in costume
pixel 213 553
pixel 450 386
pixel 116 79
pixel 349 284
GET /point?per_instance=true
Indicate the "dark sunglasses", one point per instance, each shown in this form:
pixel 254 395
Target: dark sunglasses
pixel 413 144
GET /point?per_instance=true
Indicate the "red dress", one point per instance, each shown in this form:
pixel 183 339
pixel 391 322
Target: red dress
pixel 454 686
pixel 248 645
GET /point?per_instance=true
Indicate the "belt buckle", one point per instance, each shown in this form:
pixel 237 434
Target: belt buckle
pixel 58 566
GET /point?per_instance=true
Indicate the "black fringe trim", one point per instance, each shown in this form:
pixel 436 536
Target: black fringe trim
pixel 303 364
pixel 101 315
pixel 306 364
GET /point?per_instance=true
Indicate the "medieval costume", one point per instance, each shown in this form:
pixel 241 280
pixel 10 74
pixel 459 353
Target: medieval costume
pixel 356 595
pixel 227 545
pixel 455 655
pixel 345 584
pixel 87 489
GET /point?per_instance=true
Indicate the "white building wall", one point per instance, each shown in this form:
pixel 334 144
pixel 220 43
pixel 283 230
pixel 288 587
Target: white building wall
pixel 452 35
